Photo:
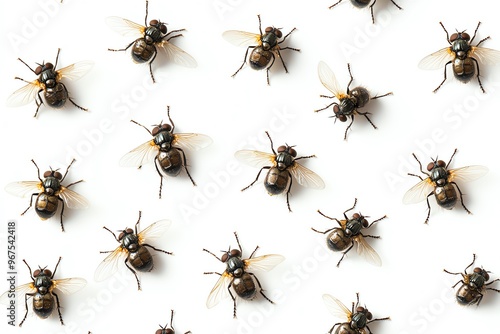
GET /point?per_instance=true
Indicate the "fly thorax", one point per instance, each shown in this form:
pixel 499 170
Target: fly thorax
pixel 476 281
pixel 238 273
pixel 461 48
pixel 51 83
pixel 46 75
pixel 347 106
pixel 130 242
pixel 269 41
pixel 358 320
pixel 353 227
pixel 233 264
pixel 284 160
pixel 51 185
pixel 152 35
pixel 439 174
pixel 164 139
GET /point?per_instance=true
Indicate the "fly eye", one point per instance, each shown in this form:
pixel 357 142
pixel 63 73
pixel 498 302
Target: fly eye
pixel 37 272
pixel 336 109
pixel 278 33
pixel 465 36
pixel 163 29
pixel 47 272
pixel 47 173
pixel 282 148
pixel 224 257
pixel 153 22
pixel 38 70
pixel 292 152
pixel 121 235
pixel 364 222
pixel 49 66
pixel 235 252
pixel 430 166
pixel 58 175
pixel 441 163
pixel 453 37
pixel 356 216
pixel 169 331
pixel 269 29
pixel 129 231
pixel 369 316
pixel 477 270
pixel 159 331
pixel 167 127
pixel 155 131
pixel 360 309
pixel 485 275
pixel 342 118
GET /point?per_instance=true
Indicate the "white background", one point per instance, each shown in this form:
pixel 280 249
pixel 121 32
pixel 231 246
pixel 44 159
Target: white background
pixel 410 287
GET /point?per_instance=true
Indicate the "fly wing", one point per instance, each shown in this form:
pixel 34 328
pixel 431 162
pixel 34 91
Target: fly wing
pixel 25 94
pixel 329 80
pixel 220 290
pixel 264 262
pixel 336 307
pixel 24 188
pixel 485 56
pixel 437 59
pixel 143 154
pixel 69 286
pixel 177 55
pixel 255 158
pixel 191 141
pixel 75 71
pixel 467 173
pixel 72 199
pixel 109 265
pixel 241 38
pixel 154 231
pixel 20 291
pixel 125 27
pixel 418 192
pixel 306 177
pixel 367 251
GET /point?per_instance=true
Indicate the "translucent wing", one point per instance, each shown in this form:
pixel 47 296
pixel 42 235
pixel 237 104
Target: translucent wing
pixel 20 291
pixel 329 80
pixel 241 38
pixel 306 177
pixel 418 192
pixel 72 199
pixel 75 71
pixel 255 158
pixel 468 173
pixel 177 55
pixel 140 155
pixel 437 59
pixel 125 27
pixel 154 231
pixel 220 290
pixel 191 141
pixel 69 285
pixel 367 251
pixel 485 55
pixel 24 188
pixel 264 262
pixel 336 307
pixel 25 94
pixel 110 264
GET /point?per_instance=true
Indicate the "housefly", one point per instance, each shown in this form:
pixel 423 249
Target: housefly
pixel 350 101
pixel 148 39
pixel 473 285
pixel 363 4
pixel 49 192
pixel 43 291
pixel 440 182
pixel 238 278
pixel 49 81
pixel 463 56
pixel 282 167
pixel 166 149
pixel 349 232
pixel 133 250
pixel 358 317
pixel 265 47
